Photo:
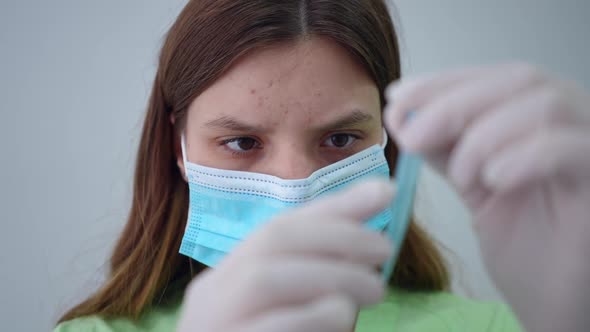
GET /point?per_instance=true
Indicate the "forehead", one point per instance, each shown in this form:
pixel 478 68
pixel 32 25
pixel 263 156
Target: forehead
pixel 311 79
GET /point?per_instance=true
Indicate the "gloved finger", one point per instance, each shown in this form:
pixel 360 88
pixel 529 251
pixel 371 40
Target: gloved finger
pixel 442 121
pixel 327 314
pixel 275 283
pixel 336 240
pixel 407 95
pixel 359 202
pixel 563 151
pixel 509 122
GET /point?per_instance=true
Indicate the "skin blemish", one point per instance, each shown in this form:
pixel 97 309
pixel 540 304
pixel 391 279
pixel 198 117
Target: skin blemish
pixel 271 83
pixel 253 91
pixel 284 109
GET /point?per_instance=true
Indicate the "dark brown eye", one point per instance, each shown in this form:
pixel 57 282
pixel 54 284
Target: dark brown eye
pixel 241 144
pixel 340 140
pixel 246 143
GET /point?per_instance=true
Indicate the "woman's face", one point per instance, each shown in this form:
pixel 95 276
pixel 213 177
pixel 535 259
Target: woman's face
pixel 285 111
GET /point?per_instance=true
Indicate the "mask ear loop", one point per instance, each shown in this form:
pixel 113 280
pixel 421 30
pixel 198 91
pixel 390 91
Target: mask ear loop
pixel 183 149
pixel 185 164
pixel 385 139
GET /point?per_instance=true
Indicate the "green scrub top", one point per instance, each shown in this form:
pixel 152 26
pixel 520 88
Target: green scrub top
pixel 401 311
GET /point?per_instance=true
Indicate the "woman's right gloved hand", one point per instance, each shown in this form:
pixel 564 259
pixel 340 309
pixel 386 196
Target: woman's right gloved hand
pixel 307 270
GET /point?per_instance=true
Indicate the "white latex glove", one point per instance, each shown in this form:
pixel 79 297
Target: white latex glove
pixel 515 143
pixel 308 270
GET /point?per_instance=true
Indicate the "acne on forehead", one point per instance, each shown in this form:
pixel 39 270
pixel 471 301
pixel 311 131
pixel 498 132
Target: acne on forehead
pixel 309 78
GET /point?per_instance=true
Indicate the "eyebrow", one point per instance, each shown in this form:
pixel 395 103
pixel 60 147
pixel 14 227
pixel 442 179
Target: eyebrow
pixel 228 122
pixel 356 117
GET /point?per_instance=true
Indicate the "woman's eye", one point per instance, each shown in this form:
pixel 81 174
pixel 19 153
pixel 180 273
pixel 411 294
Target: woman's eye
pixel 341 140
pixel 241 144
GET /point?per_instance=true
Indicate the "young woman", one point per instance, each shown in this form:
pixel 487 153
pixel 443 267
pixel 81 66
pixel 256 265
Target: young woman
pixel 261 107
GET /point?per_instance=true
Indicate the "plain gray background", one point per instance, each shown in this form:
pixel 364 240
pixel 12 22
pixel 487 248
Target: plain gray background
pixel 74 80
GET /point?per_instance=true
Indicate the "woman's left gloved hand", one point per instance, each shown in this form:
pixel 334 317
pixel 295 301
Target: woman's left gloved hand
pixel 515 143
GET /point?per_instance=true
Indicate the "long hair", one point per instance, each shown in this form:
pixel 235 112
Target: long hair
pixel 206 39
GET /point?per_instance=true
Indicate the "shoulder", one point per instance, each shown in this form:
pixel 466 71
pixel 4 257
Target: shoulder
pixel 85 324
pixel 155 320
pixel 438 311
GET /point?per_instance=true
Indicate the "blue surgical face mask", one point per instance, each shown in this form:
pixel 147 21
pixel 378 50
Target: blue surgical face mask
pixel 226 206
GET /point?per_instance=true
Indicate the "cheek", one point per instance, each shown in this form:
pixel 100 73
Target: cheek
pixel 202 151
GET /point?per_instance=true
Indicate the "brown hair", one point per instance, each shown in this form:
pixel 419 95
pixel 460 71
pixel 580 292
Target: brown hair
pixel 206 39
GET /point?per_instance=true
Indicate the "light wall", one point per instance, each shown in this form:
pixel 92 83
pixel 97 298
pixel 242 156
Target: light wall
pixel 74 80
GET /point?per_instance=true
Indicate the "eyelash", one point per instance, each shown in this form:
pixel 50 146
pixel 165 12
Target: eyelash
pixel 349 146
pixel 236 153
